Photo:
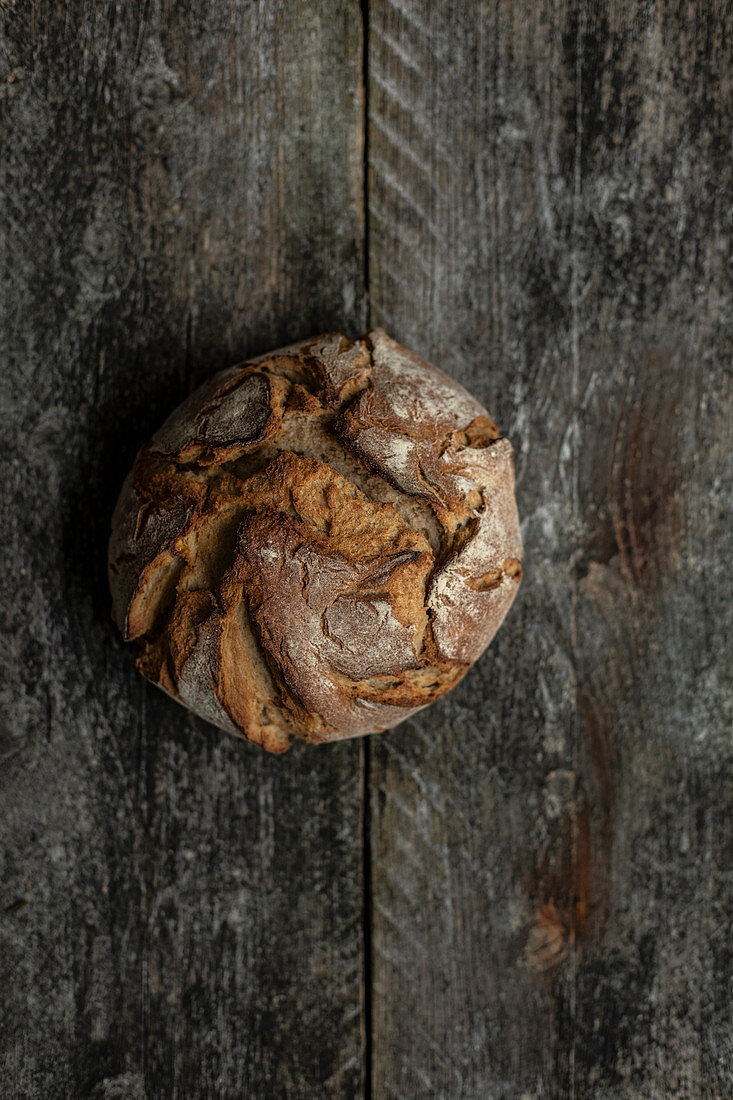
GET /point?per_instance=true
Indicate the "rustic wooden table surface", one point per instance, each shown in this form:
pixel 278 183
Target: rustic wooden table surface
pixel 525 891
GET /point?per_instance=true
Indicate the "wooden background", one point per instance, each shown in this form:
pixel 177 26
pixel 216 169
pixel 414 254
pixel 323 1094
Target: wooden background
pixel 526 891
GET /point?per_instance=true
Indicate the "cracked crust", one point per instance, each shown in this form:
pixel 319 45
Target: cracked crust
pixel 317 543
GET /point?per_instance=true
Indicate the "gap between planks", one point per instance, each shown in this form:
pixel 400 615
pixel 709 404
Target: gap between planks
pixel 366 839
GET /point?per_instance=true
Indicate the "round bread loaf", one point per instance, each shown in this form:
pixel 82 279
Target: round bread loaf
pixel 317 543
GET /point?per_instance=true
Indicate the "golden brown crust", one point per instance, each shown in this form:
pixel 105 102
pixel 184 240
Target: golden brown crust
pixel 317 543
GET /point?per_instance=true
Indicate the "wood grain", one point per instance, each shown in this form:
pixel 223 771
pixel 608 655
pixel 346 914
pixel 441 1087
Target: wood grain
pixel 548 218
pixel 549 198
pixel 180 186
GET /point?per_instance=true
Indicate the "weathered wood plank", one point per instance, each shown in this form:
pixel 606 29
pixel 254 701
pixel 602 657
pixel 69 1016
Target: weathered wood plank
pixel 180 186
pixel 549 187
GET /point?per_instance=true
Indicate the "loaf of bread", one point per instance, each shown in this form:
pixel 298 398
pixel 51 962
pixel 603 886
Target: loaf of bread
pixel 317 543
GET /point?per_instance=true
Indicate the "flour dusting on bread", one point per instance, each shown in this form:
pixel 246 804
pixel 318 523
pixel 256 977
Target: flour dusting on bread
pixel 318 542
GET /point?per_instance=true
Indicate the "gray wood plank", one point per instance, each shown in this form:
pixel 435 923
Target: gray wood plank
pixel 550 195
pixel 180 185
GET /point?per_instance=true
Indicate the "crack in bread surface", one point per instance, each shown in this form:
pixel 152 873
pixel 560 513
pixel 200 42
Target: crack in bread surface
pixel 208 550
pixel 308 429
